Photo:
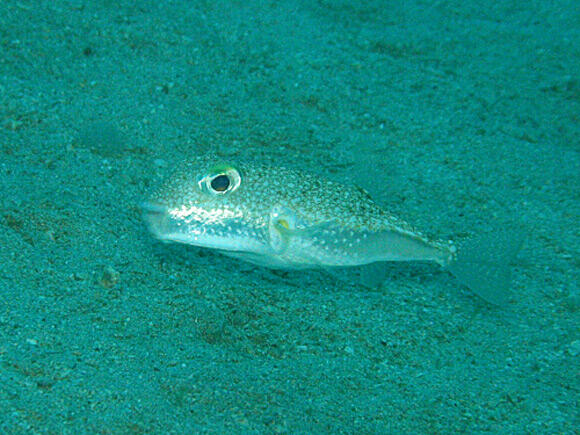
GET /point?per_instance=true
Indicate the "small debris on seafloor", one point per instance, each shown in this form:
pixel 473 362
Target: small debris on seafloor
pixel 109 278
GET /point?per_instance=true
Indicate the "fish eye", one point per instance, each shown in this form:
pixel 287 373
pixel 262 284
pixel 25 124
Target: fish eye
pixel 220 180
pixel 220 183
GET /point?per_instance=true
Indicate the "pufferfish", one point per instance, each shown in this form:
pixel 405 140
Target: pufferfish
pixel 283 218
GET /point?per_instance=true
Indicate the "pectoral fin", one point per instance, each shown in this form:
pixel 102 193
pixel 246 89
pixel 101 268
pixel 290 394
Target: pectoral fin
pixel 281 228
pixel 285 227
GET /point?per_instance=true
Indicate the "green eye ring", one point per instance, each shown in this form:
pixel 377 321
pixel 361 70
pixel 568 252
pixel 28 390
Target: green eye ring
pixel 220 180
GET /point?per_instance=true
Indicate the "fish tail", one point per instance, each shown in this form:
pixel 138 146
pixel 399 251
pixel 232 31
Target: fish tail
pixel 484 265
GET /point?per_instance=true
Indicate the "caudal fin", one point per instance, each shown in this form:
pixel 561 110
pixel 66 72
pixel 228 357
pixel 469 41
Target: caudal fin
pixel 483 265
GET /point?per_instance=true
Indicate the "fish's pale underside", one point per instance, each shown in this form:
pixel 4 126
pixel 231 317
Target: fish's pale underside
pixel 286 219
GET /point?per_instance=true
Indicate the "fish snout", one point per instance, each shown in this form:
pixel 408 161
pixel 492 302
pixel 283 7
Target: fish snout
pixel 157 219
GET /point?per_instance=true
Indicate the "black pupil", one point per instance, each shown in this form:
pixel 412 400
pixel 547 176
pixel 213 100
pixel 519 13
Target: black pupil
pixel 220 183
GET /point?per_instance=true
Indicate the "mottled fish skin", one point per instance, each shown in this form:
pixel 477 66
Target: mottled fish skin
pixel 281 218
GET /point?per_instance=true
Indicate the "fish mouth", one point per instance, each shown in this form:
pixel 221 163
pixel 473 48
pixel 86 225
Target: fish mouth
pixel 193 226
pixel 161 223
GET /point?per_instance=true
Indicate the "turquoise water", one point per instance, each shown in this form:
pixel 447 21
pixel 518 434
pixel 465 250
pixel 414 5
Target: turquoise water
pixel 460 120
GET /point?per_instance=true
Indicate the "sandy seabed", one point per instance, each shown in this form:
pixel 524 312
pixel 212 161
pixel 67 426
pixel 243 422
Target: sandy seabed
pixel 460 119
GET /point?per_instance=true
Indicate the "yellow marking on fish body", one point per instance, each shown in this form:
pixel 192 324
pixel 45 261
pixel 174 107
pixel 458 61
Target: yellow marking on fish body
pixel 283 218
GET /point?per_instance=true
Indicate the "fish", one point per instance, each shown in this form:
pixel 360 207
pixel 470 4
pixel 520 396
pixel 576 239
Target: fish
pixel 283 218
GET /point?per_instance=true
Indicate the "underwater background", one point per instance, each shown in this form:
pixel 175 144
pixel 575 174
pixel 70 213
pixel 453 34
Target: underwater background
pixel 460 117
